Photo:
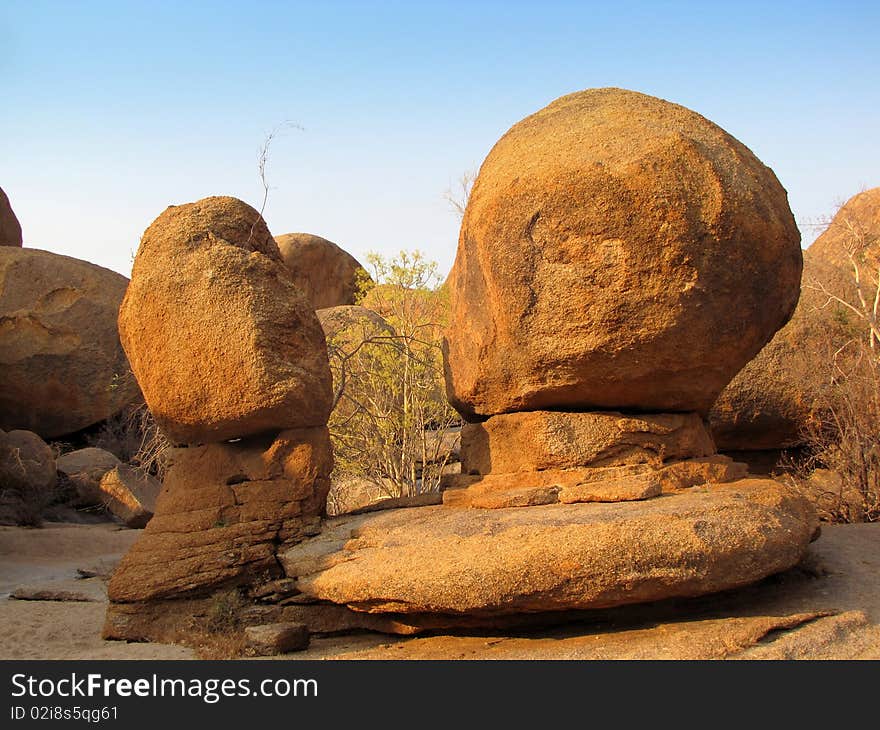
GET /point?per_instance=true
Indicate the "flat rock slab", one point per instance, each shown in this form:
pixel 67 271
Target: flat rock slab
pixel 71 589
pixel 587 484
pixel 278 638
pixel 490 563
pixel 533 440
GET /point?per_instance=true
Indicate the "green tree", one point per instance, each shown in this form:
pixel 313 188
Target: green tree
pixel 392 427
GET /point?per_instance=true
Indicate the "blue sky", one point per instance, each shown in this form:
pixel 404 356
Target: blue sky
pixel 113 110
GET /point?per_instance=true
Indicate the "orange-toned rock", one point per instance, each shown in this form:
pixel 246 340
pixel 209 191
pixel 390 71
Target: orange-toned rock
pixel 27 465
pixel 85 468
pixel 533 440
pixel 716 469
pixel 62 368
pixel 10 228
pixel 224 511
pixel 327 275
pixel 767 405
pixel 617 252
pixel 587 484
pixel 130 494
pixel 491 563
pixel 854 229
pixel 219 336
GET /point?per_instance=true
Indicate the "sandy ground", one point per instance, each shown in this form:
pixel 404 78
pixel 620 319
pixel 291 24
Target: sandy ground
pixel 828 608
pixel 48 559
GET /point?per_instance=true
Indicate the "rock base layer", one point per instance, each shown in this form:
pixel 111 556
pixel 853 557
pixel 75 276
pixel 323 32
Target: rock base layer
pixel 490 563
pixel 223 513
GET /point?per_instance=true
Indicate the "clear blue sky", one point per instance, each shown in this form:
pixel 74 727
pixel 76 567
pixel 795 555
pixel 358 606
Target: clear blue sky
pixel 110 111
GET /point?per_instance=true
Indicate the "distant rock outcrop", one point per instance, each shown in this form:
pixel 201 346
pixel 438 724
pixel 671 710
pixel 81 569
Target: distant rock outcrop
pixel 10 228
pixel 221 339
pixel 327 274
pixel 617 252
pixel 767 405
pixel 62 368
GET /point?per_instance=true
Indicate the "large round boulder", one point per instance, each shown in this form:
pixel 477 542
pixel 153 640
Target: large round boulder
pixel 222 341
pixel 62 368
pixel 10 228
pixel 769 403
pixel 617 252
pixel 328 275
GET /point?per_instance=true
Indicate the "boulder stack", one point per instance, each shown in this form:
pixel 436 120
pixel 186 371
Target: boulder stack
pixel 232 362
pixel 620 259
pixel 62 368
pixel 613 273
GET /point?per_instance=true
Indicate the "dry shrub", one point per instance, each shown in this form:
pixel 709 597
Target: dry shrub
pixel 134 438
pixel 843 437
pixel 390 400
pixel 843 434
pixel 25 507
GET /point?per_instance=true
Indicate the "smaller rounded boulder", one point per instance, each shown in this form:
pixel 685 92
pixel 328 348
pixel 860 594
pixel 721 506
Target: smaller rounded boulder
pixel 327 274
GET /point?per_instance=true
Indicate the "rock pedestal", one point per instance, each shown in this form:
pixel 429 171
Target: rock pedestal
pixel 224 512
pixel 543 457
pixel 237 369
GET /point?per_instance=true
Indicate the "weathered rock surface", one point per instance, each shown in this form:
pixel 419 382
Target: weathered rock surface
pixel 770 400
pixel 326 274
pixel 10 228
pixel 767 405
pixel 274 639
pixel 61 365
pixel 854 229
pixel 223 511
pixel 130 495
pixel 441 560
pixel 535 440
pixel 27 464
pixel 617 252
pixel 85 468
pixel 836 499
pixel 242 352
pixel 587 484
